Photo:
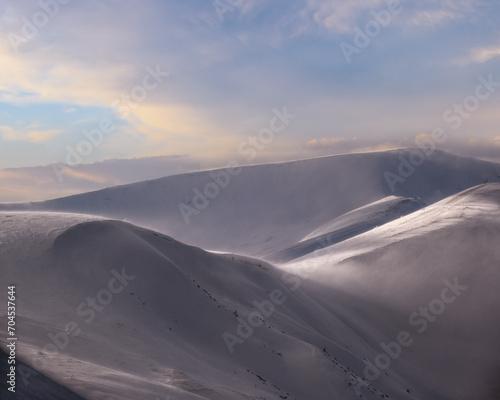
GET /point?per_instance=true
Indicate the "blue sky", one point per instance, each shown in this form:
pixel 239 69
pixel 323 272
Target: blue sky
pixel 227 71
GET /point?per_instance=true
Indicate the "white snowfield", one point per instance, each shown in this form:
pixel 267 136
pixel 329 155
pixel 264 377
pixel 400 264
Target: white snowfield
pixel 266 208
pixel 365 292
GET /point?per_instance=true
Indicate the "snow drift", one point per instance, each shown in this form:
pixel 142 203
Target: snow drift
pixel 265 208
pixel 364 292
pixel 110 310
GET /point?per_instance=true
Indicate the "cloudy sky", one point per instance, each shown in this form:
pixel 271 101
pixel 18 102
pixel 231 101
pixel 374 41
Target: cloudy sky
pixel 196 78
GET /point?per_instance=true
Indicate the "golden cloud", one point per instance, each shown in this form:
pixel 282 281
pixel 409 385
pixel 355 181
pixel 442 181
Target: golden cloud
pixel 328 142
pixel 31 135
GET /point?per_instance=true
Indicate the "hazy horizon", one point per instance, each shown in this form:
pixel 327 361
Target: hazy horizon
pixel 39 183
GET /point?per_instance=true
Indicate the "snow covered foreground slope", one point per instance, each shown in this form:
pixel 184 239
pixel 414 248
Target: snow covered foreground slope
pixel 265 208
pixel 112 311
pixel 161 333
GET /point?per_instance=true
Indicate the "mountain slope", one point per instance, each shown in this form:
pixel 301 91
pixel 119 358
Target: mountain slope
pixel 273 206
pixel 402 269
pixel 110 310
pixel 349 225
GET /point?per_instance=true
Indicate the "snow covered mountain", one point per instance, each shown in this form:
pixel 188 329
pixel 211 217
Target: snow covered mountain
pixel 434 274
pixel 274 206
pixel 349 225
pixel 110 310
pixel 55 180
pixel 364 292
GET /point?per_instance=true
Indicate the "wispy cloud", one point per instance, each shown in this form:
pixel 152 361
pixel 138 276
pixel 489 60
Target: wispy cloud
pixel 336 16
pixel 51 76
pixel 432 18
pixel 7 132
pixel 328 142
pixel 482 55
pixel 226 76
pixel 341 17
pixel 30 134
pixel 431 13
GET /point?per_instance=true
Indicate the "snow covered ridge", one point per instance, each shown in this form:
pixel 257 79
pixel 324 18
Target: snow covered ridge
pixel 222 178
pixel 267 208
pixel 452 236
pixel 348 225
pixel 321 324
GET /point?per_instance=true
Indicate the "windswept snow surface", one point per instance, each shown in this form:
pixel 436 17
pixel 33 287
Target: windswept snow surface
pixel 349 225
pixel 161 333
pixel 371 295
pixel 266 208
pixel 382 278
